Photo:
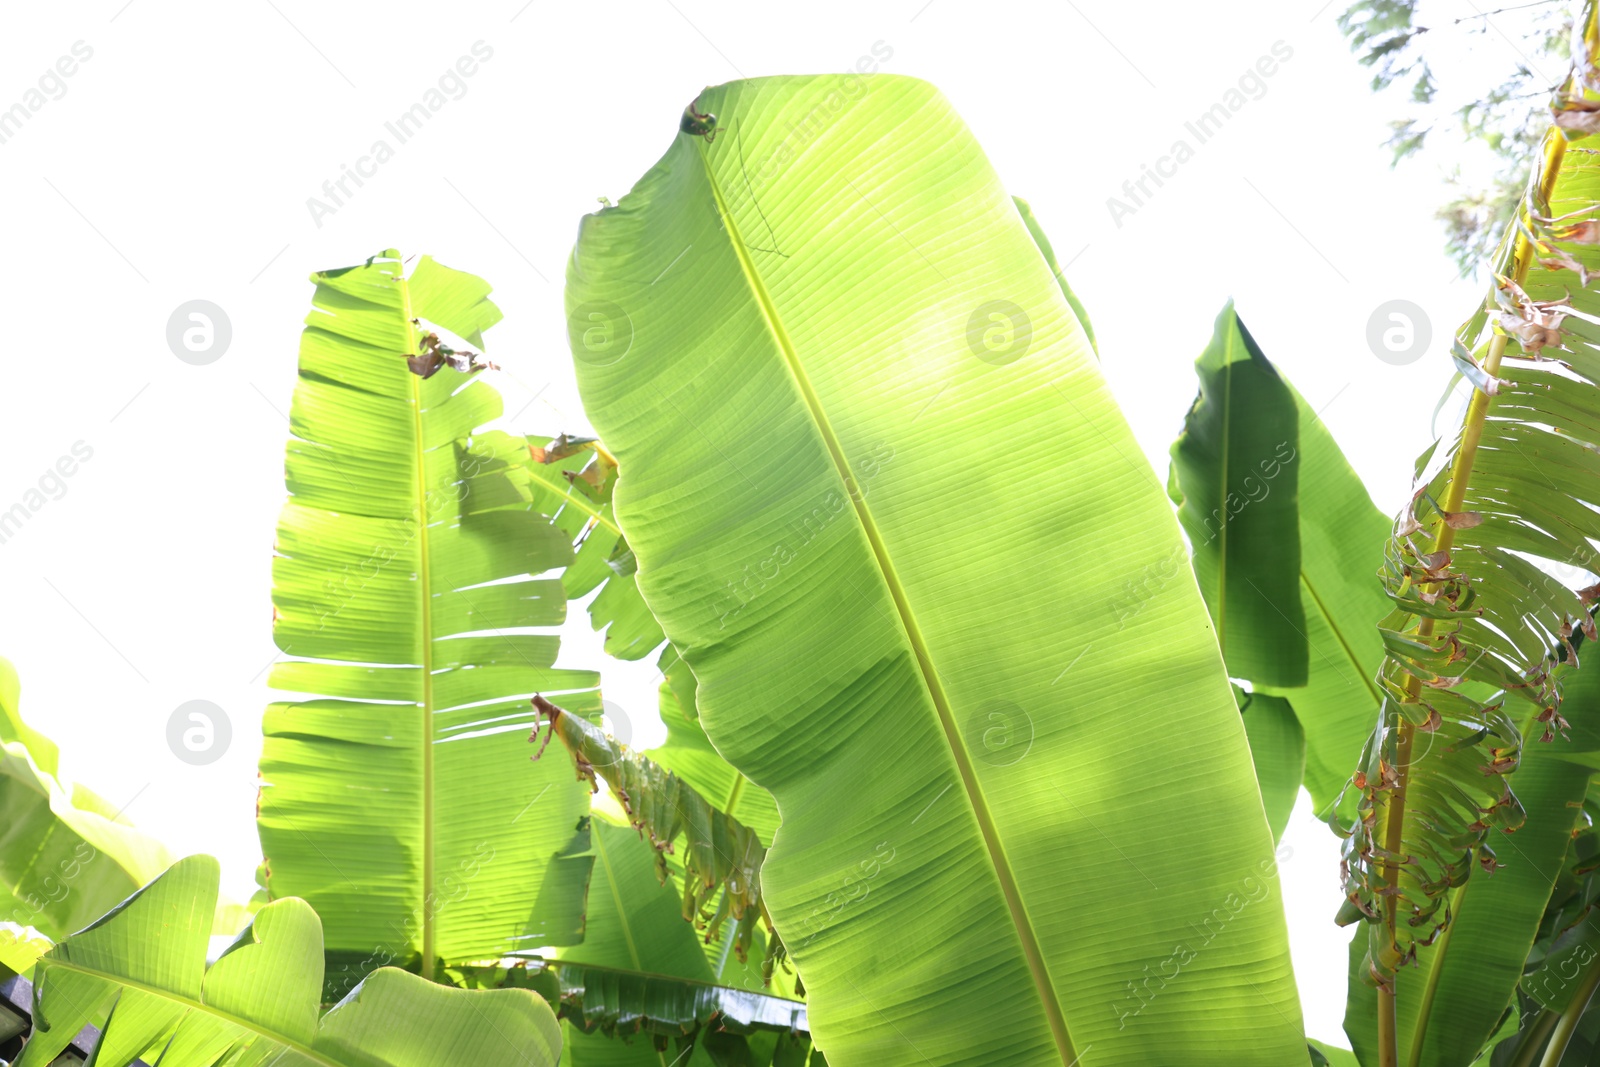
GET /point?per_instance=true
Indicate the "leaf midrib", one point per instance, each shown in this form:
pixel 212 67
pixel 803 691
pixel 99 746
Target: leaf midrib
pixel 1033 953
pixel 425 594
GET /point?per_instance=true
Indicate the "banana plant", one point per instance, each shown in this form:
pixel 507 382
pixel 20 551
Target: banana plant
pixel 141 973
pixel 408 594
pixel 783 350
pixel 1480 634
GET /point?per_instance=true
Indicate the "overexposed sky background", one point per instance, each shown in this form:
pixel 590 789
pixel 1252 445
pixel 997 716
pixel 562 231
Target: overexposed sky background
pixel 176 162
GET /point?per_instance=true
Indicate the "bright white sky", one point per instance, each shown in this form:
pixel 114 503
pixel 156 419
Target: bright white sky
pixel 178 162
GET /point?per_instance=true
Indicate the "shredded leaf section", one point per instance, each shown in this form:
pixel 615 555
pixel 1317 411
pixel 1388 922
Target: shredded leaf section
pixel 721 856
pixel 1491 566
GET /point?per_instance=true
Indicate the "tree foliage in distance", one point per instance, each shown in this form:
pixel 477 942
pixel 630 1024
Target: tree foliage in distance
pixel 1395 41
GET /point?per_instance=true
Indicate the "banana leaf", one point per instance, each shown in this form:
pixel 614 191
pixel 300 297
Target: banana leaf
pixel 1341 548
pixel 1338 533
pixel 397 800
pixel 1235 477
pixel 577 476
pixel 1278 752
pixel 620 981
pixel 721 858
pixel 1449 1004
pixel 140 973
pixel 827 306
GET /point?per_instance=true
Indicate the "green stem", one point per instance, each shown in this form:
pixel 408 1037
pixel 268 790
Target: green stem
pixel 1567 1025
pixel 1533 1040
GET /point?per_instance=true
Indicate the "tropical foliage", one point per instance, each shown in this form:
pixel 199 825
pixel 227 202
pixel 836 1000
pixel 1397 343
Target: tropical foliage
pixel 977 741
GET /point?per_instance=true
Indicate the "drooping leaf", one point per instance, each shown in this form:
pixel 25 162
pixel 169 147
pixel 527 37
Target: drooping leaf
pixel 1278 751
pixel 608 1000
pixel 721 857
pixel 406 588
pixel 822 331
pixel 140 972
pixel 66 856
pixel 1235 478
pixel 639 991
pixel 1472 645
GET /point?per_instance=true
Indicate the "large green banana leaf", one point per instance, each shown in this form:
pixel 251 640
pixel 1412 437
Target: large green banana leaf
pixel 1472 645
pixel 1235 478
pixel 1331 595
pixel 399 802
pixel 140 972
pixel 62 866
pixel 828 305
